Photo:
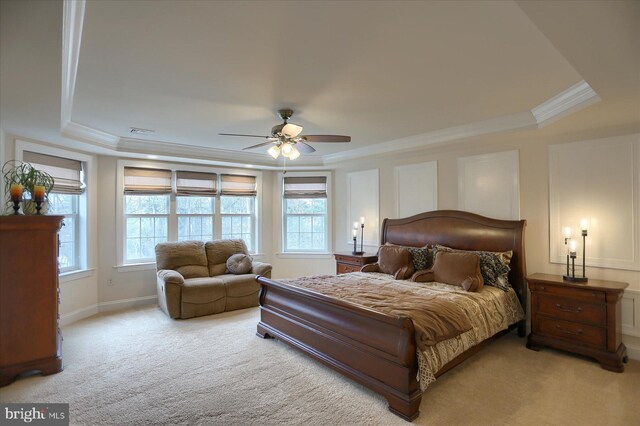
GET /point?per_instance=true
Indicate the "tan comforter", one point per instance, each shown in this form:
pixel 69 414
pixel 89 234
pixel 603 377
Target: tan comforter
pixel 447 319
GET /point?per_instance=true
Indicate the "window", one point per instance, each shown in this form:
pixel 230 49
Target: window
pixel 161 205
pixel 146 210
pixel 305 214
pixel 237 208
pixel 64 200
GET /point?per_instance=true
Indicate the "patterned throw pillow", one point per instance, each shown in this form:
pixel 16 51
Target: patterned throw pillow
pixel 494 266
pixel 422 257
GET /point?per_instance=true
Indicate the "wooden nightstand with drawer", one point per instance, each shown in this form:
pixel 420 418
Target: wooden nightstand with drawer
pixel 347 262
pixel 583 318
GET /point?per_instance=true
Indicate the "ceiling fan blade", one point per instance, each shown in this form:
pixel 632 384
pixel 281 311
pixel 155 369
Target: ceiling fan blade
pixel 247 136
pixel 326 138
pixel 258 145
pixel 305 148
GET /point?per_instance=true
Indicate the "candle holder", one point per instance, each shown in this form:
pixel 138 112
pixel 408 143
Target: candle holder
pixel 38 205
pixel 16 205
pixel 572 254
pixel 362 237
pixel 355 250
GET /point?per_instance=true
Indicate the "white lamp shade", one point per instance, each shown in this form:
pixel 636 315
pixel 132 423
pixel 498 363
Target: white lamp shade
pixel 573 246
pixel 291 130
pixel 274 151
pixel 566 231
pixel 584 224
pixel 294 153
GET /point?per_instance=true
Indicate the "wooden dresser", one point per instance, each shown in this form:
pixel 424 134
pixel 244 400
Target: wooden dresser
pixel 29 334
pixel 583 318
pixel 348 262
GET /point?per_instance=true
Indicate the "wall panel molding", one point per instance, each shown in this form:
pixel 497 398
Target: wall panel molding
pixel 598 180
pixel 489 184
pixel 416 188
pixel 363 201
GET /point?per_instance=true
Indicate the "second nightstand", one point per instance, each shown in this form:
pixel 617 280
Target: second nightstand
pixel 347 262
pixel 583 318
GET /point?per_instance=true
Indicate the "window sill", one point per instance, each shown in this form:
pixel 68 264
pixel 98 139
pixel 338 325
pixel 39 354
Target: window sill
pixel 133 267
pixel 304 255
pixel 75 275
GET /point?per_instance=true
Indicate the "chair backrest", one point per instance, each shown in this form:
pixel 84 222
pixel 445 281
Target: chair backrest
pixel 186 257
pixel 218 251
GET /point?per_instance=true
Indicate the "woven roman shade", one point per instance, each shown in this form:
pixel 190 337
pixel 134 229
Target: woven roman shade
pixel 65 172
pixel 147 181
pixel 305 187
pixel 196 184
pixel 238 185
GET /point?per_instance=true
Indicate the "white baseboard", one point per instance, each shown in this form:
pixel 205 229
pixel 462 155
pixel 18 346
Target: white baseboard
pixel 79 314
pixel 114 305
pixel 633 351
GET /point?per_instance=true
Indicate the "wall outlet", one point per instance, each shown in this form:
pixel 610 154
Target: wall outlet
pixel 110 282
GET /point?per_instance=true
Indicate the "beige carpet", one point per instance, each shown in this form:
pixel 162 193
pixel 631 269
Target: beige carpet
pixel 138 367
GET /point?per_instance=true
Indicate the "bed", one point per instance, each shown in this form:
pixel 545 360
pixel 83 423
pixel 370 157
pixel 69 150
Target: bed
pixel 375 349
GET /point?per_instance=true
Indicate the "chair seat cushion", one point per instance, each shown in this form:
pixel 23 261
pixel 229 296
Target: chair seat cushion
pixel 240 285
pixel 203 290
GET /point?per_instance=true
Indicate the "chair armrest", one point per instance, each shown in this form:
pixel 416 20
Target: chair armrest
pixel 171 276
pixel 261 268
pixel 370 267
pixel 423 276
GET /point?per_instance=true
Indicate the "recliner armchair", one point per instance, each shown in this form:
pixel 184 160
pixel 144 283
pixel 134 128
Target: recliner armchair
pixel 193 279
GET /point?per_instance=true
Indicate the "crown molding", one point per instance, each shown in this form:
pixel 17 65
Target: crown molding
pixel 500 124
pixel 576 97
pixel 72 21
pixel 90 135
pixel 221 157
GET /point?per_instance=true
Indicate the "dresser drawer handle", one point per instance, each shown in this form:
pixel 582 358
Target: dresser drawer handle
pixel 575 311
pixel 575 333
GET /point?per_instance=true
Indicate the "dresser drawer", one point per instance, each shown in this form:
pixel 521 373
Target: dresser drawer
pixel 353 260
pixel 572 292
pixel 572 309
pixel 587 335
pixel 344 269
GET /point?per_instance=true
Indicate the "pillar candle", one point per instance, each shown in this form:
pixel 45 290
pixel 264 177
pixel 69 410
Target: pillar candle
pixel 16 191
pixel 38 192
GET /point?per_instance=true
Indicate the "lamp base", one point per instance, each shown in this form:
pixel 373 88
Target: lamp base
pixel 575 279
pixel 357 252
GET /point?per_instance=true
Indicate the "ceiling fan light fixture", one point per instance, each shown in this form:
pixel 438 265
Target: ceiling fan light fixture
pixel 274 151
pixel 291 130
pixel 287 149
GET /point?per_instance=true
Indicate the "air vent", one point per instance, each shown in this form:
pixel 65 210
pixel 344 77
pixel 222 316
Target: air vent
pixel 139 131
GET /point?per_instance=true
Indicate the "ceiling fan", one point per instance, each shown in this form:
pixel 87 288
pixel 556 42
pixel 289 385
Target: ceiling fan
pixel 287 140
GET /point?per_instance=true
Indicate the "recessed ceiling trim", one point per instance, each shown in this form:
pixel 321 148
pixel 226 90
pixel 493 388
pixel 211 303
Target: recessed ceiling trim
pixel 72 20
pixel 576 97
pixel 90 135
pixel 501 124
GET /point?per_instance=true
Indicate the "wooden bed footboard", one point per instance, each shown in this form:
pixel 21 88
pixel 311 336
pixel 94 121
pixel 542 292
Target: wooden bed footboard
pixel 374 349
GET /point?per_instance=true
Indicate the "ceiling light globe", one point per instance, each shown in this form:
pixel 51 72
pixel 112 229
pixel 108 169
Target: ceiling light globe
pixel 287 149
pixel 274 151
pixel 294 154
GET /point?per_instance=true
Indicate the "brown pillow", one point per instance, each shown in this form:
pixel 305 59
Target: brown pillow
pixel 458 268
pixel 393 258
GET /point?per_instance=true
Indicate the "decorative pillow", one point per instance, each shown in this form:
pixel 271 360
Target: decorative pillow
pixel 494 266
pixel 421 257
pixel 458 268
pixel 239 264
pixel 392 258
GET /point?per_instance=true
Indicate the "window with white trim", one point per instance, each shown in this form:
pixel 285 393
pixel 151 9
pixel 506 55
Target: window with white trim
pixel 146 212
pixel 195 204
pixel 238 208
pixel 64 200
pixel 305 221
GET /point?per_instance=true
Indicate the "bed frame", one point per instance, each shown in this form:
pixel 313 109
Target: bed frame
pixel 372 348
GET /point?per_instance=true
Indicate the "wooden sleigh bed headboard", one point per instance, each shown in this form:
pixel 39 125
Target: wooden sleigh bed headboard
pixel 375 349
pixel 465 231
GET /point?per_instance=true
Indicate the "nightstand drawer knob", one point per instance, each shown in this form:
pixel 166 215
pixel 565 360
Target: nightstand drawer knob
pixel 575 333
pixel 559 306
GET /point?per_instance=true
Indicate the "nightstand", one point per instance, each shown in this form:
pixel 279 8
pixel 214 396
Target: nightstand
pixel 582 318
pixel 347 262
